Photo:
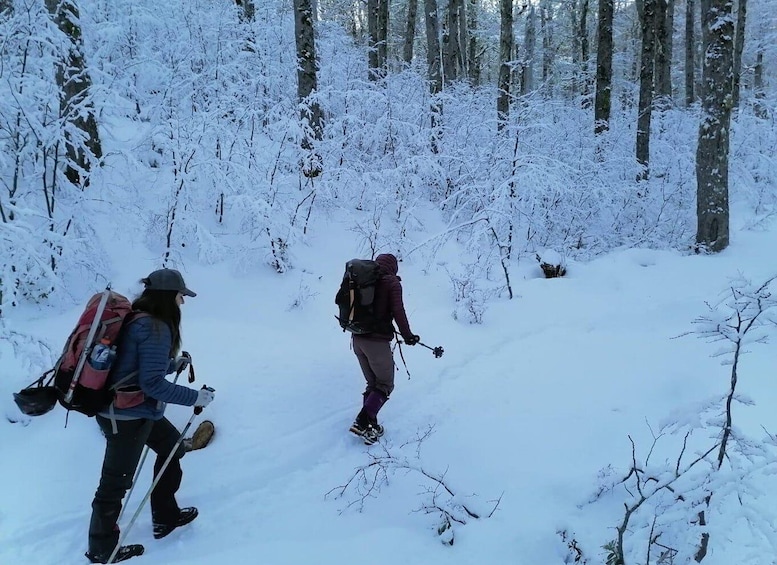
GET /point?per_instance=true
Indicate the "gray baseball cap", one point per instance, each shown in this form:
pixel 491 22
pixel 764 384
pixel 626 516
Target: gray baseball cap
pixel 167 279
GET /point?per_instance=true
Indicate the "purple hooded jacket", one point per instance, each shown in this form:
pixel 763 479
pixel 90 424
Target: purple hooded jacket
pixel 388 297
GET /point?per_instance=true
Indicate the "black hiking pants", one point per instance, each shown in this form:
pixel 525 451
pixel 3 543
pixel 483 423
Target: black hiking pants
pixel 122 454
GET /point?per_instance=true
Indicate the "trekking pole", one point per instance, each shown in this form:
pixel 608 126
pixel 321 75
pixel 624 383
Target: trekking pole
pixel 437 351
pixel 123 535
pixel 145 451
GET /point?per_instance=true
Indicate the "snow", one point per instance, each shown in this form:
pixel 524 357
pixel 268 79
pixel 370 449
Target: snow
pixel 527 408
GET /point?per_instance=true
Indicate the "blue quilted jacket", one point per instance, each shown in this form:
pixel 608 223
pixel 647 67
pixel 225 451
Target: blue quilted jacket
pixel 145 347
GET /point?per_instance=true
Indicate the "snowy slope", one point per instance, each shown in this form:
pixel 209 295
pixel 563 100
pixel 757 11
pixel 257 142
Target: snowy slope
pixel 527 406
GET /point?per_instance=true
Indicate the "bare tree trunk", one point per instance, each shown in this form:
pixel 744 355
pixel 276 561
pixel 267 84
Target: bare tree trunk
pixel 373 61
pixel 648 20
pixel 505 60
pixel 690 50
pixel 584 55
pixel 451 40
pixel 434 71
pixel 717 29
pixel 603 103
pixel 307 83
pixel 412 17
pixel 530 45
pixel 546 21
pixel 739 46
pixel 75 105
pixel 670 4
pixel 473 58
pixel 758 83
pixel 383 24
pixel 462 62
pixel 663 41
pixel 247 11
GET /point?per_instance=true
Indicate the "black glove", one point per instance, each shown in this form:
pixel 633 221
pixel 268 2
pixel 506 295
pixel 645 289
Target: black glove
pixel 412 339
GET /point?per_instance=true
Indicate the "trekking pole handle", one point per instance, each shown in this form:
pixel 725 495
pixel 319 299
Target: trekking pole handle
pixel 198 409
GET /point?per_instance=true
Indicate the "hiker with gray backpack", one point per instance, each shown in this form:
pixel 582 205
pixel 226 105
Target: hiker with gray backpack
pixel 147 349
pixel 370 301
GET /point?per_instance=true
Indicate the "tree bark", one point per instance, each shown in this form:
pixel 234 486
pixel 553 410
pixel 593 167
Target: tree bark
pixel 75 105
pixel 758 83
pixel 412 17
pixel 603 104
pixel 433 66
pixel 530 46
pixel 373 61
pixel 505 60
pixel 712 211
pixel 546 21
pixel 453 59
pixel 663 41
pixel 584 55
pixel 739 46
pixel 690 50
pixel 645 107
pixel 383 24
pixel 473 58
pixel 307 82
pixel 247 10
pixel 462 41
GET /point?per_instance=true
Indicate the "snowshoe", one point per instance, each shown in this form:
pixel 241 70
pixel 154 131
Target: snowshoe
pixel 358 429
pixel 125 552
pixel 372 433
pixel 187 515
pixel 201 437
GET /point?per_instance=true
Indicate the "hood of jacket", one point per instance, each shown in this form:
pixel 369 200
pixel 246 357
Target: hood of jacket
pixel 388 263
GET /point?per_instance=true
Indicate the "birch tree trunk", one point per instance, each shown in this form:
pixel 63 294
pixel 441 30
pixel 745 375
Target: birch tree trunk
pixel 307 84
pixel 603 103
pixel 412 17
pixel 712 211
pixel 75 105
pixel 645 107
pixel 690 50
pixel 505 66
pixel 739 46
pixel 434 71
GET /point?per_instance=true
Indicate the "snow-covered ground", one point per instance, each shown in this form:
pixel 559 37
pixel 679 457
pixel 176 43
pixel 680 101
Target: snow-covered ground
pixel 524 409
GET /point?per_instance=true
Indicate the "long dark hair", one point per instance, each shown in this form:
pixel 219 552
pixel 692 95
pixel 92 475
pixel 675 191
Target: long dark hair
pixel 161 305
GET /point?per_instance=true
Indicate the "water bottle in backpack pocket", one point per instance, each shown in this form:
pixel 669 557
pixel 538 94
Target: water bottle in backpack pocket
pixel 98 365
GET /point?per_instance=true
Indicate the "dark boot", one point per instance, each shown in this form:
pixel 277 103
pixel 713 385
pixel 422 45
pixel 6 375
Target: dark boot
pixel 125 552
pixel 186 516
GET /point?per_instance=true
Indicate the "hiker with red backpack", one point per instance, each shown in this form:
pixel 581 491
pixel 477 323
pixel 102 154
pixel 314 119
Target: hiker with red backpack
pixel 372 325
pixel 148 350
